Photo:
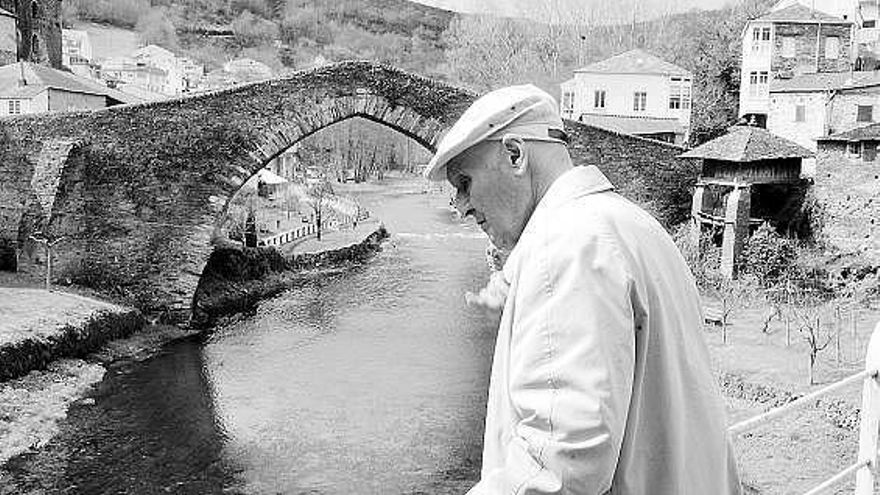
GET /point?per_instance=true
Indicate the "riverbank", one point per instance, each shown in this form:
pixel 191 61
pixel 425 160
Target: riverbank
pixel 45 340
pixel 40 326
pixel 55 347
pixel 236 279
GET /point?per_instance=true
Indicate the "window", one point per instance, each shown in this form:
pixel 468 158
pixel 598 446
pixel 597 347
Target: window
pixel 568 101
pixel 599 98
pixel 758 82
pixel 789 46
pixel 865 113
pixel 640 101
pixel 800 113
pixel 832 47
pixel 35 10
pixel 14 107
pixel 761 40
pixel 852 148
pixel 869 23
pixel 679 93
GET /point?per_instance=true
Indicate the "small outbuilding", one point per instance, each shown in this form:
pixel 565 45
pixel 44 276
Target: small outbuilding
pixel 748 176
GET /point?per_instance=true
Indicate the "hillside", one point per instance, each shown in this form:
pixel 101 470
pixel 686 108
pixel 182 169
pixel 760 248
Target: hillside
pixel 285 34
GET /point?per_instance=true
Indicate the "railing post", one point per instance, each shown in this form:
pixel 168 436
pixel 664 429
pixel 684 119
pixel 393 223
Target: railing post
pixel 869 418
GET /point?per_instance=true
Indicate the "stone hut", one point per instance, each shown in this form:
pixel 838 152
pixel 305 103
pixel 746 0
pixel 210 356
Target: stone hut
pixel 748 176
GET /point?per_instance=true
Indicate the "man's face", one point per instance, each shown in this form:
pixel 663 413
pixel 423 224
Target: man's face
pixel 489 189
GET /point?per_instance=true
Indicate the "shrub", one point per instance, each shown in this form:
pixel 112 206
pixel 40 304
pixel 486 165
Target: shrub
pixel 251 30
pixel 768 256
pixel 155 28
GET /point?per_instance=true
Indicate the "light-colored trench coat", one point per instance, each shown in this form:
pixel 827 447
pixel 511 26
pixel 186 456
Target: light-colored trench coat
pixel 601 380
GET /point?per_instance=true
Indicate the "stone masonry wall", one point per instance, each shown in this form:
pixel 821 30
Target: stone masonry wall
pixel 849 190
pixel 645 171
pixel 146 186
pixel 805 59
pixel 843 109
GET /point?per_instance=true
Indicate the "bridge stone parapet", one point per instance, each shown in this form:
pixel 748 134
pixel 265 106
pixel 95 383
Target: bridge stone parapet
pixel 141 190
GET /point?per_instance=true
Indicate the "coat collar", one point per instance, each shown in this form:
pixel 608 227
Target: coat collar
pixel 575 183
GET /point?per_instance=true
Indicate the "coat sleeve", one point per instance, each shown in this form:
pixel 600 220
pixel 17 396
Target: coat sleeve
pixel 572 358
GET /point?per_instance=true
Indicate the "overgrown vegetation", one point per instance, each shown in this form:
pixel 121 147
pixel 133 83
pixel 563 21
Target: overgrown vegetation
pixel 811 293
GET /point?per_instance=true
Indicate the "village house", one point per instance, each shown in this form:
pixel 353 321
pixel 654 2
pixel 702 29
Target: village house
pixel 790 40
pixel 238 71
pixel 27 87
pixel 133 77
pixel 808 107
pixel 749 176
pixel 633 93
pixel 181 74
pixel 76 47
pixel 77 55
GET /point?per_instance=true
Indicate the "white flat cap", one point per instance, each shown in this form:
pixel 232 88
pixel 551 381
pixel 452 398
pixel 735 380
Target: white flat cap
pixel 524 110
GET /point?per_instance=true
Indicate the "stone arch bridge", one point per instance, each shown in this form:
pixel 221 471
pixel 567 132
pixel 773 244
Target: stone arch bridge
pixel 138 190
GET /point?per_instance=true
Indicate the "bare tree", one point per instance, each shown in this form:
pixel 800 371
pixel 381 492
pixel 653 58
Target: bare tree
pixel 320 195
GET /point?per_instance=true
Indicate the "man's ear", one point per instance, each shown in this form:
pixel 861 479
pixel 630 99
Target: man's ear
pixel 515 148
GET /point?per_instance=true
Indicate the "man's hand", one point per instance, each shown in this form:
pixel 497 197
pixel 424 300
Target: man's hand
pixel 491 298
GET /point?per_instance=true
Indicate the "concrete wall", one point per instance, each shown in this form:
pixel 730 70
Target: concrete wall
pixel 144 187
pixel 619 91
pixel 849 190
pixel 65 101
pixel 782 118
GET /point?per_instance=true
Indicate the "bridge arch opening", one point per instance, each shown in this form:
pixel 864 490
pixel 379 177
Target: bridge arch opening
pixel 354 149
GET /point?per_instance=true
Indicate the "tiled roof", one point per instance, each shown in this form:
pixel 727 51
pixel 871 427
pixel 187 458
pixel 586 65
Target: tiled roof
pixel 825 81
pixel 748 144
pixel 801 14
pixel 633 125
pixel 867 133
pixel 634 62
pixel 39 78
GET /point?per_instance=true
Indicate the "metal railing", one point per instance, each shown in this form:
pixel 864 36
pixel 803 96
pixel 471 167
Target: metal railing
pixel 869 421
pixel 334 221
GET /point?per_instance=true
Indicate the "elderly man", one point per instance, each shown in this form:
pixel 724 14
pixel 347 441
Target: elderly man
pixel 601 380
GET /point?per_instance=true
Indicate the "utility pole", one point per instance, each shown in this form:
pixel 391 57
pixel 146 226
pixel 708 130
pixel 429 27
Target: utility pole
pixel 44 240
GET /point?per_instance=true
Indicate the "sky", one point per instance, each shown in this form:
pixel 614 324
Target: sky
pixel 613 10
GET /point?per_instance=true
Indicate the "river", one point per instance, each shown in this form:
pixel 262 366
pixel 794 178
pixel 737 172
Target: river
pixel 371 381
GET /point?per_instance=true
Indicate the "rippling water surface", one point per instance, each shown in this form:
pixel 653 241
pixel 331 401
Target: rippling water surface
pixel 372 381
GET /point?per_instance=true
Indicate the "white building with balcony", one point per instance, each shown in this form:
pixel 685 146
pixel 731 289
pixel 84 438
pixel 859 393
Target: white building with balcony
pixel 632 93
